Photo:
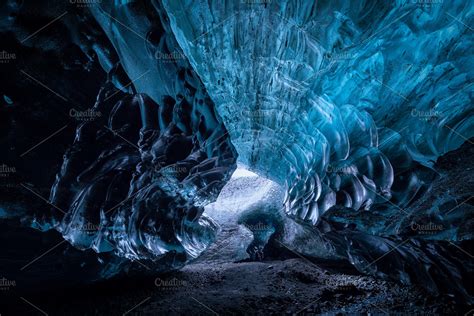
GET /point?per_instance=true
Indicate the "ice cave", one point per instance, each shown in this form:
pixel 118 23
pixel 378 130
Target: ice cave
pixel 315 155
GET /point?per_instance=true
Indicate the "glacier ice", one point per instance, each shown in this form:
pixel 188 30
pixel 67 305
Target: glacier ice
pixel 318 99
pixel 345 105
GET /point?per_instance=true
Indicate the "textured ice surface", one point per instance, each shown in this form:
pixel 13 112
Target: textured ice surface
pixel 136 180
pixel 335 100
pixel 345 105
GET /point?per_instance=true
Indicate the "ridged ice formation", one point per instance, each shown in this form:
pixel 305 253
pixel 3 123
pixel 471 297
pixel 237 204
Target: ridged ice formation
pixel 137 179
pixel 344 104
pixel 144 201
pixel 334 100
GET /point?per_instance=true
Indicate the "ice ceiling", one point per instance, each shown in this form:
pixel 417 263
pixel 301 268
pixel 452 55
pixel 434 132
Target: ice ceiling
pixel 345 104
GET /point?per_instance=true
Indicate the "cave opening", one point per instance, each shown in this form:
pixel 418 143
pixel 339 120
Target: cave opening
pixel 248 212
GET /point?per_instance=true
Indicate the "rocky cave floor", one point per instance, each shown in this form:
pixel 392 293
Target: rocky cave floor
pixel 288 287
pixel 295 285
